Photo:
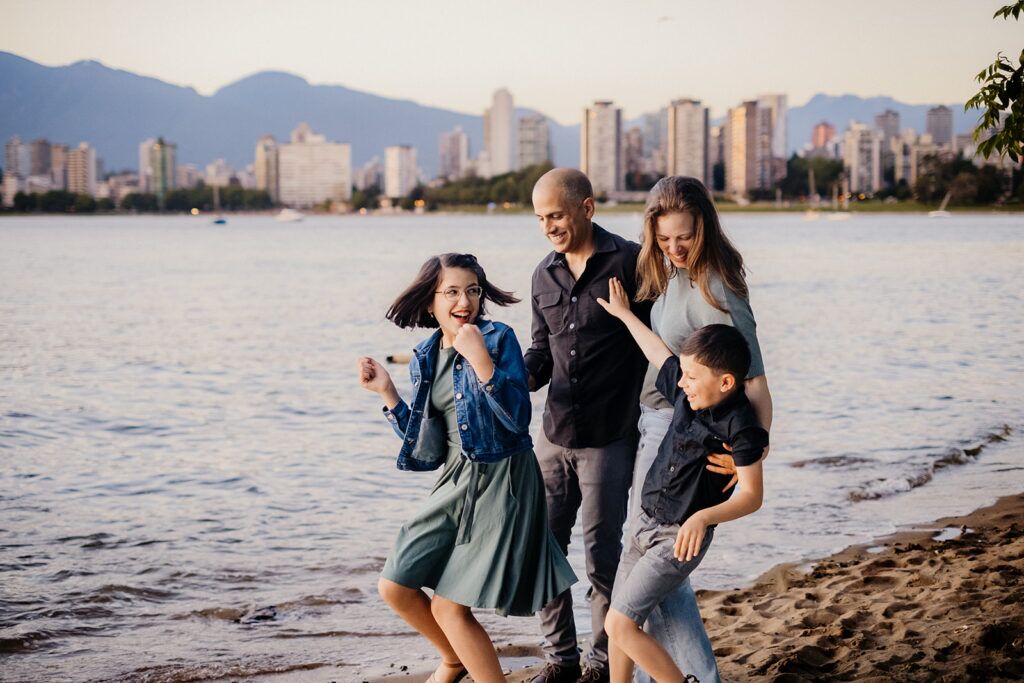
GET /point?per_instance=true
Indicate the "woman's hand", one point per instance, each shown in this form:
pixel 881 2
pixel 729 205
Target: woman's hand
pixel 722 463
pixel 469 342
pixel 618 301
pixel 373 376
pixel 690 538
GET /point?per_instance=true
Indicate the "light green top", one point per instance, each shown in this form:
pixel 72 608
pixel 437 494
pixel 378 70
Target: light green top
pixel 682 310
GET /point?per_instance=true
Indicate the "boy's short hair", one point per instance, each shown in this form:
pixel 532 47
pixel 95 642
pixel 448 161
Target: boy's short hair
pixel 721 348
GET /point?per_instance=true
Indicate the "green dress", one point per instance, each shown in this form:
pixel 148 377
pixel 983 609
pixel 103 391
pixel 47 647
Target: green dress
pixel 481 538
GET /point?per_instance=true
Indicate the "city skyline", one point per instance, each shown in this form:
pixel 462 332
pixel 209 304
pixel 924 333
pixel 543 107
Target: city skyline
pixel 536 53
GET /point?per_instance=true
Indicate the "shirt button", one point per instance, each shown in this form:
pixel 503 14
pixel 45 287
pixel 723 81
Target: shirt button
pixel 575 379
pixel 572 326
pixel 672 468
pixel 458 395
pixel 458 366
pixel 572 352
pixel 464 427
pixel 575 299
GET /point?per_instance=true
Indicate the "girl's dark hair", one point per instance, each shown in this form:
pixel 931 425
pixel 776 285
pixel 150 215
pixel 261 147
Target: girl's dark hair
pixel 410 307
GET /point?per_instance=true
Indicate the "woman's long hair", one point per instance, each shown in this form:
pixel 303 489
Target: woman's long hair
pixel 711 254
pixel 410 307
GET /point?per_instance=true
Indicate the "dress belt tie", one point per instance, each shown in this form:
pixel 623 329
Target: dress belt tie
pixel 469 506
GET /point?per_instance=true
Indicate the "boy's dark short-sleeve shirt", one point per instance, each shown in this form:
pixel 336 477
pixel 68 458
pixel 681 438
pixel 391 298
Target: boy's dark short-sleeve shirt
pixel 678 483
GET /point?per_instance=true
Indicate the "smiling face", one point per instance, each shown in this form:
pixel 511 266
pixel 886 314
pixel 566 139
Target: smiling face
pixel 451 314
pixel 676 233
pixel 567 227
pixel 703 386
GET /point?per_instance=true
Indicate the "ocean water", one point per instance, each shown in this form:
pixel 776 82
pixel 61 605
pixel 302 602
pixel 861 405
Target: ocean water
pixel 194 486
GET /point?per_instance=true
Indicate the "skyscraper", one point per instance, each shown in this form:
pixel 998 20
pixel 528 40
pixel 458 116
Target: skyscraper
pixel 777 105
pixel 40 157
pixel 17 158
pixel 940 125
pixel 688 139
pixel 399 170
pixel 312 170
pixel 59 166
pixel 534 141
pixel 888 124
pixel 822 133
pixel 500 131
pixel 741 150
pixel 862 158
pixel 453 154
pixel 601 147
pixel 265 166
pixel 82 170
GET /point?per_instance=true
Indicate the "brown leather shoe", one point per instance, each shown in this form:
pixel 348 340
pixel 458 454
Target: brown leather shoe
pixel 558 673
pixel 594 675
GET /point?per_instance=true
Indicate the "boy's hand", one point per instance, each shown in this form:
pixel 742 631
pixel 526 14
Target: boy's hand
pixel 722 463
pixel 618 303
pixel 372 375
pixel 690 538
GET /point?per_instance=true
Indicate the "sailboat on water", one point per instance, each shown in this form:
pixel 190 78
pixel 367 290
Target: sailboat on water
pixel 941 211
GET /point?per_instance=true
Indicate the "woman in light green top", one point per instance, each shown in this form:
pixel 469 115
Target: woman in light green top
pixel 695 276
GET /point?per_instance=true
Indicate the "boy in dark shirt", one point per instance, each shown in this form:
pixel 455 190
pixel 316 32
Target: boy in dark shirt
pixel 681 501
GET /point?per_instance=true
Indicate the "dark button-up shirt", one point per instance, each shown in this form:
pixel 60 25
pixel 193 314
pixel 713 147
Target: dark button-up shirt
pixel 594 366
pixel 678 483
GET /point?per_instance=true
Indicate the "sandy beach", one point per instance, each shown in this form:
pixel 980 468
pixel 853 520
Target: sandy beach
pixel 943 602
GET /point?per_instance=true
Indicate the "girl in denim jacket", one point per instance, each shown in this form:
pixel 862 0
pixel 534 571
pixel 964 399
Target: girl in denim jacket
pixel 481 538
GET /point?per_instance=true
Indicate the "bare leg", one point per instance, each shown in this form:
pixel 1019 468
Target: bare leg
pixel 413 606
pixel 620 666
pixel 641 648
pixel 469 639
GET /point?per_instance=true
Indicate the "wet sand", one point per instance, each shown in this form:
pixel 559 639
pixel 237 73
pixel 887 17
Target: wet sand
pixel 942 602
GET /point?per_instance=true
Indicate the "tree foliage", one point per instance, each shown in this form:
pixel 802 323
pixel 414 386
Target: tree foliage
pixel 1001 101
pixel 515 188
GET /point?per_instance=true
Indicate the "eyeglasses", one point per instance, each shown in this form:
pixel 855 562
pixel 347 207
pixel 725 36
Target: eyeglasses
pixel 454 293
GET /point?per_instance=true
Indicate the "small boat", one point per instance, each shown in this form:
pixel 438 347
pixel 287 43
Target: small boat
pixel 289 216
pixel 220 220
pixel 941 211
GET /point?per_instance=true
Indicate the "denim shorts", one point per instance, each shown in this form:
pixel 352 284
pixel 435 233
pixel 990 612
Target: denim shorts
pixel 648 570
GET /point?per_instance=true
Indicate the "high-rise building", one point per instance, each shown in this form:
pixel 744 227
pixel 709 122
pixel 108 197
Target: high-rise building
pixel 40 157
pixel 145 172
pixel 312 170
pixel 655 127
pixel 716 155
pixel 265 167
pixel 17 158
pixel 862 146
pixel 743 147
pixel 888 124
pixel 939 124
pixel 633 152
pixel 59 166
pixel 370 175
pixel 688 139
pixel 534 141
pixel 777 105
pixel 82 170
pixel 185 175
pixel 601 147
pixel 219 173
pixel 399 170
pixel 822 134
pixel 161 168
pixel 500 131
pixel 453 149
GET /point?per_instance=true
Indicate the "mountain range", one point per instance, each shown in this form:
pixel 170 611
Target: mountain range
pixel 115 110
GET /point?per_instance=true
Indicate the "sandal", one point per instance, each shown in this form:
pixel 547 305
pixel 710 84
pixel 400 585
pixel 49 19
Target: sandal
pixel 461 675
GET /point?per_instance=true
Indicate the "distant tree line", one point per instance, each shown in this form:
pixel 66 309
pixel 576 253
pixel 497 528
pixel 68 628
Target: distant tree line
pixel 232 198
pixel 514 188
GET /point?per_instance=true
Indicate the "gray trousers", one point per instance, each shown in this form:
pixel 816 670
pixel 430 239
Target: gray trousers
pixel 593 482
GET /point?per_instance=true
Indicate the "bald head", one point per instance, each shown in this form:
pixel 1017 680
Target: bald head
pixel 571 185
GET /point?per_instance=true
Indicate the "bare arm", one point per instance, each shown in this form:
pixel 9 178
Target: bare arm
pixel 646 339
pixel 744 502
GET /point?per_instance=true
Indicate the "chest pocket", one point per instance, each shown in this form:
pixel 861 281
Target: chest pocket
pixel 697 441
pixel 551 310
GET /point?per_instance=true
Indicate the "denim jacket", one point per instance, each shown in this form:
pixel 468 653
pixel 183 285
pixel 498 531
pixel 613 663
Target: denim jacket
pixel 494 418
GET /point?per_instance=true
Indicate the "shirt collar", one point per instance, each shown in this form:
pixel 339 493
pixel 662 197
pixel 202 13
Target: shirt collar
pixel 603 242
pixel 726 405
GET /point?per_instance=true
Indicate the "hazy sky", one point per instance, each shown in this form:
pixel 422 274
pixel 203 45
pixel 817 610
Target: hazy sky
pixel 555 56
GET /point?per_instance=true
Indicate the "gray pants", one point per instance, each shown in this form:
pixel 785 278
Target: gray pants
pixel 594 482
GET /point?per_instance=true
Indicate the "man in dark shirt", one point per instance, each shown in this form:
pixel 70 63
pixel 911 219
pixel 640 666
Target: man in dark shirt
pixel 588 441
